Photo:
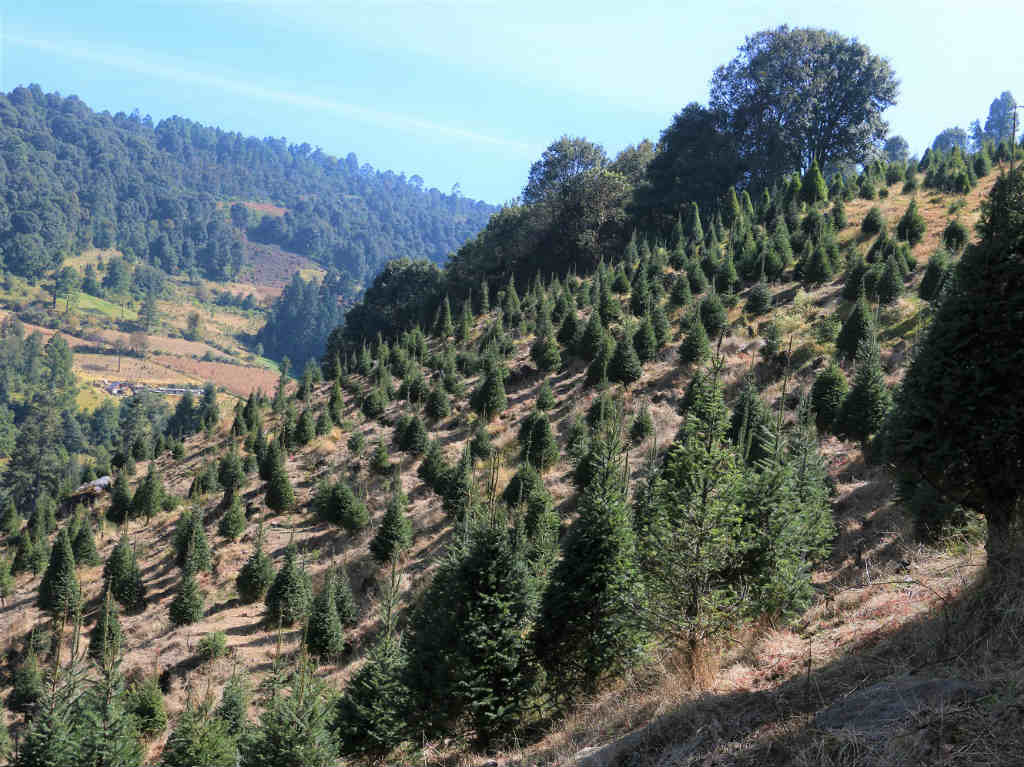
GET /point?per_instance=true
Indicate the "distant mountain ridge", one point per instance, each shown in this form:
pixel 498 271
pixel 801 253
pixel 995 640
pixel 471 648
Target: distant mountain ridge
pixel 71 178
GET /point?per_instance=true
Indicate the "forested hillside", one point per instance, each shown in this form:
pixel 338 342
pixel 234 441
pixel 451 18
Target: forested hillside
pixel 719 458
pixel 73 178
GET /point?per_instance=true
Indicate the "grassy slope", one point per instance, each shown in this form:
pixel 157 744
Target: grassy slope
pixel 874 545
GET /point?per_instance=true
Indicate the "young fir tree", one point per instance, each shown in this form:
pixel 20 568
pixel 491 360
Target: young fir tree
pixel 713 315
pixel 289 595
pixel 371 716
pixel 695 347
pixel 146 703
pixel 84 546
pixel 752 427
pixel 26 683
pixel 192 550
pixel 187 607
pixel 51 738
pixel 935 276
pixel 585 630
pixel 570 331
pixel 480 445
pixel 438 405
pixel 345 600
pixel 891 285
pixel 394 535
pixel 280 497
pixel 232 523
pixel 106 637
pixel 199 738
pixel 120 501
pixel 149 495
pixel 122 576
pixel 662 330
pixel 324 637
pixel 256 575
pixel 642 426
pixel 911 226
pixel 234 704
pixel 293 728
pixel 813 189
pixel 59 592
pixel 545 353
pixel 827 394
pixel 759 300
pixel 537 442
pixel 457 498
pixel 489 398
pixel 645 341
pixel 545 396
pixel 108 731
pixel 860 325
pixel 469 650
pixel 866 406
pixel 11 521
pixel 349 510
pixel 624 366
pixel 380 461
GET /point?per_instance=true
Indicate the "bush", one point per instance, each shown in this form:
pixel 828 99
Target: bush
pixel 873 222
pixel 212 646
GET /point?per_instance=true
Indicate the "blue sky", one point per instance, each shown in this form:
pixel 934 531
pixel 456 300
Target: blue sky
pixel 471 91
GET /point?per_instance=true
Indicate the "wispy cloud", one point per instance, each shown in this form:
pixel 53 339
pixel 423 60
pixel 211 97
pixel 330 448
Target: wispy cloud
pixel 141 63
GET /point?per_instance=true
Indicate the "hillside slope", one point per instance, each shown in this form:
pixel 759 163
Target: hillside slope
pixel 875 584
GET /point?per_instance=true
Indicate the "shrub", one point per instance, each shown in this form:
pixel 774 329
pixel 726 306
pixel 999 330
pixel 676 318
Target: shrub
pixel 212 646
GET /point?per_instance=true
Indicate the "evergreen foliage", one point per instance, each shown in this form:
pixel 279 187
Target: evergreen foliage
pixel 324 637
pixel 890 286
pixel 199 738
pixel 935 276
pixel 280 496
pixel 394 535
pixel 146 703
pixel 489 398
pixel 624 366
pixel 26 684
pixel 192 551
pixel 232 523
pixel 827 394
pixel 122 576
pixel 59 592
pixel 289 596
pixel 812 188
pixel 911 226
pixel 860 325
pixel 106 638
pixel 695 346
pixel 188 604
pixel 585 629
pixel 256 575
pixel 713 315
pixel 234 704
pixel 370 718
pixel 865 407
pixel 84 545
pixel 873 222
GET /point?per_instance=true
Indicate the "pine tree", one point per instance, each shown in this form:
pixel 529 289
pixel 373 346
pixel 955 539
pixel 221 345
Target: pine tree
pixel 545 353
pixel 256 575
pixel 866 406
pixel 695 347
pixel 120 501
pixel 624 366
pixel 234 705
pixel 106 637
pixel 289 595
pixel 911 226
pixel 149 495
pixel 643 425
pixel 444 327
pixel 108 732
pixel 891 285
pixel 59 592
pixel 187 607
pixel 121 575
pixel 751 428
pixel 350 511
pixel 489 398
pixel 569 332
pixel 457 498
pixel 545 396
pixel 819 268
pixel 827 394
pixel 438 405
pixel 26 683
pixel 380 461
pixel 200 739
pixel 593 340
pixel 537 442
pixel 324 636
pixel 694 230
pixel 370 718
pixel 713 315
pixel 759 299
pixel 480 445
pixel 232 523
pixel 192 550
pixel 935 276
pixel 860 325
pixel 344 599
pixel 585 629
pixel 293 728
pixel 84 546
pixel 146 703
pixel 645 341
pixel 394 535
pixel 280 496
pixel 11 521
pixel 813 189
pixel 50 739
pixel 680 294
